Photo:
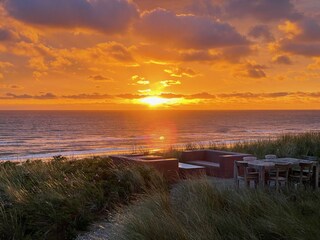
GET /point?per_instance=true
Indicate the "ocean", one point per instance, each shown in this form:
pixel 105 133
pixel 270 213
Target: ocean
pixel 43 134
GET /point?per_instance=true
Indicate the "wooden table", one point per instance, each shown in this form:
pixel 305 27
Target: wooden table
pixel 265 165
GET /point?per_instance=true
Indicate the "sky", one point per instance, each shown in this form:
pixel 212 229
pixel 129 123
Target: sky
pixel 168 54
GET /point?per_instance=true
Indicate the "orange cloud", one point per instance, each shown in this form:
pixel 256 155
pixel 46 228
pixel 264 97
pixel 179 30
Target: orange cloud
pixel 168 83
pixel 315 65
pixel 4 65
pixel 140 80
pixel 290 28
pixel 181 72
pixel 11 86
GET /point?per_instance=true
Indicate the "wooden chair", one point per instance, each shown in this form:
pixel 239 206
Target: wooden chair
pixel 304 174
pixel 248 159
pixel 280 174
pixel 242 174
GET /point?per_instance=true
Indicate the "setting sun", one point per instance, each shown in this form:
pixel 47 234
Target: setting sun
pixel 154 101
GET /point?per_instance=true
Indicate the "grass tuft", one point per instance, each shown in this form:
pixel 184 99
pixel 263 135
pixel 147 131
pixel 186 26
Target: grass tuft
pixel 55 200
pixel 199 210
pixel 288 145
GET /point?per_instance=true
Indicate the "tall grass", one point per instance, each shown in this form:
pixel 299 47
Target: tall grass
pixel 288 145
pixel 292 145
pixel 197 210
pixel 56 199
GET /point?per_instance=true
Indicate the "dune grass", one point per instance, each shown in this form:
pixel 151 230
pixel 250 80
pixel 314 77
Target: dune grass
pixel 287 145
pixel 54 200
pixel 197 210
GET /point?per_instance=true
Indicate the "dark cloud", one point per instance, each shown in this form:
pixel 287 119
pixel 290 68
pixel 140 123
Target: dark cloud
pixel 252 70
pixel 120 53
pixel 5 35
pixel 187 31
pixel 203 8
pixel 255 95
pixel 100 78
pixel 238 95
pixel 14 96
pixel 110 16
pixel 196 7
pixel 235 53
pixel 88 96
pixel 304 39
pixel 168 4
pixel 261 31
pixel 277 94
pixel 203 95
pixel 308 94
pixel 301 48
pixel 263 10
pixel 172 95
pixel 130 96
pixel 10 86
pixel 199 55
pixel 28 96
pixel 230 54
pixel 15 87
pixel 282 59
pixel 310 30
pixel 48 96
pixel 235 95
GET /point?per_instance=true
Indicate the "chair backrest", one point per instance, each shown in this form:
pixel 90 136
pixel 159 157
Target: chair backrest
pixel 270 156
pixel 283 169
pixel 282 166
pixel 248 159
pixel 241 168
pixel 241 164
pixel 305 166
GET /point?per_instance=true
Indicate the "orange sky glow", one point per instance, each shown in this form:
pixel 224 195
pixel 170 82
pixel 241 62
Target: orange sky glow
pixel 145 54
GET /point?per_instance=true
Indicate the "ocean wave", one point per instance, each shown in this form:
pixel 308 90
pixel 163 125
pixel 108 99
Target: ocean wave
pixel 36 134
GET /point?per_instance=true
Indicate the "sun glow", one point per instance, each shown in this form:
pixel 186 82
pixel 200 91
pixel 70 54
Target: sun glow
pixel 154 101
